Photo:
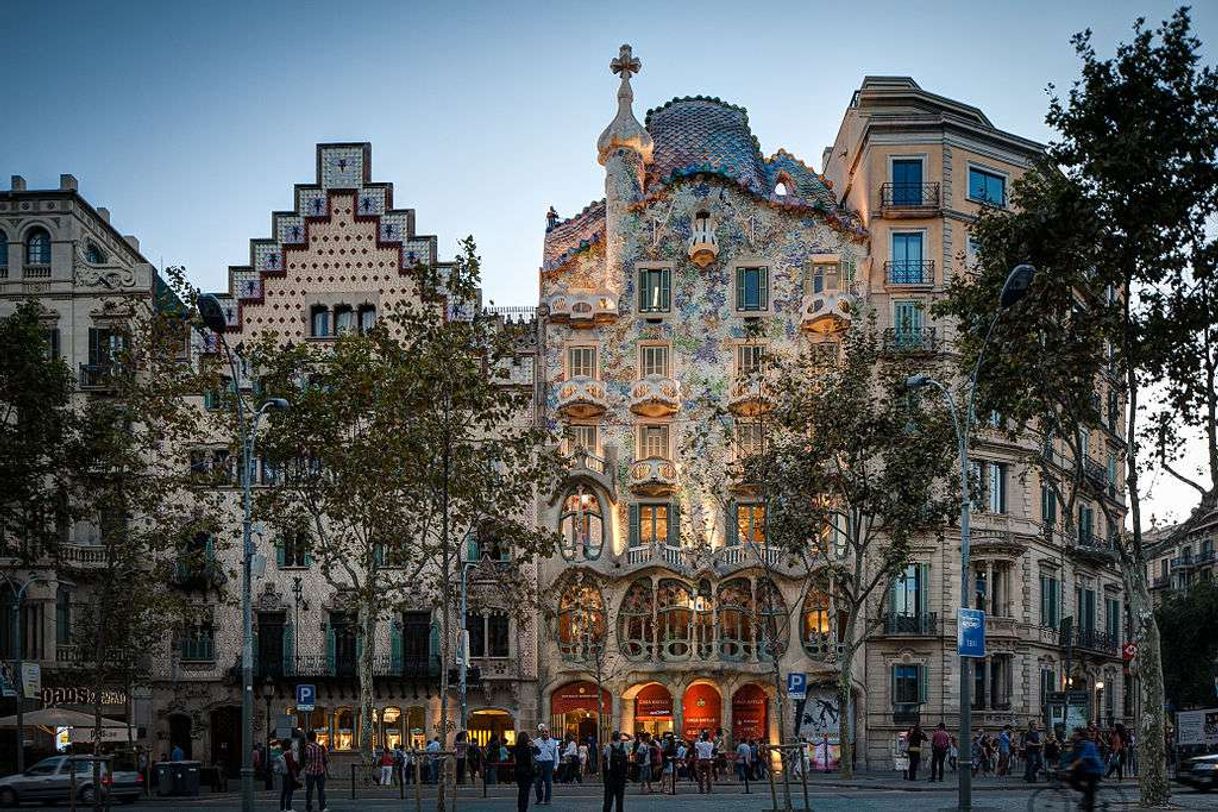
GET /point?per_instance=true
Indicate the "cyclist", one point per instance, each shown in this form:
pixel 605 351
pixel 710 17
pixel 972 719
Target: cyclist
pixel 1086 768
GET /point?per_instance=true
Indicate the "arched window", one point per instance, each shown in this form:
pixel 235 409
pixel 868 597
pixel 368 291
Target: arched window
pixel 3 254
pixel 774 627
pixel 93 254
pixel 581 623
pixel 582 525
pixel 38 247
pixel 391 723
pixel 344 320
pixel 367 318
pixel 815 624
pixel 736 620
pixel 780 189
pixel 636 630
pixel 319 321
pixel 674 606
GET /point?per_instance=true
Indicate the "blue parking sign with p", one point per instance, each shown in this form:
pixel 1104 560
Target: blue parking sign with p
pixel 797 685
pixel 306 697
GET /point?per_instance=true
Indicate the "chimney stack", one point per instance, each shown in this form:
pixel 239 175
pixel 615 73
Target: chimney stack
pixel 18 183
pixel 67 183
pixel 133 241
pixel 103 213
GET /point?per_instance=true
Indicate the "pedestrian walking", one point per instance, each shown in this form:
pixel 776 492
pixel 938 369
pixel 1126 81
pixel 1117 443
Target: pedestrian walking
pixel 914 747
pixel 316 771
pixel 1116 749
pixel 615 768
pixel 704 752
pixel 289 772
pixel 386 764
pixel 523 755
pixel 461 751
pixel 545 757
pixel 1033 748
pixel 939 744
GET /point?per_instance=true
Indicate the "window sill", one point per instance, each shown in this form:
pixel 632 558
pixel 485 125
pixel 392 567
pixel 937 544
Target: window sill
pixel 989 203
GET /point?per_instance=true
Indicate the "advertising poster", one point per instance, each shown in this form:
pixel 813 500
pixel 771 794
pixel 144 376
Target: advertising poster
pixel 820 725
pixel 1199 727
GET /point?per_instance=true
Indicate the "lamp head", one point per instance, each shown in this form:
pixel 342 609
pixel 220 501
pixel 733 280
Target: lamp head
pixel 276 405
pixel 917 381
pixel 212 312
pixel 1017 284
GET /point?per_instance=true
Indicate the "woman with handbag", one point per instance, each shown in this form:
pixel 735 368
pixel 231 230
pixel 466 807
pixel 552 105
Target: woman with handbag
pixel 522 754
pixel 289 772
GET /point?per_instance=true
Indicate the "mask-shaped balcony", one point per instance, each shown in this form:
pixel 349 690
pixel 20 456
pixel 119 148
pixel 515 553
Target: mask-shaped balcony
pixel 703 244
pixel 749 397
pixel 653 476
pixel 582 397
pixel 581 310
pixel 655 396
pixel 830 309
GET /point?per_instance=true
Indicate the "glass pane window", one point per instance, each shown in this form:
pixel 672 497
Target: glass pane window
pixel 344 320
pixel 653 523
pixel 655 360
pixel 905 684
pixel 367 318
pixel 750 438
pixel 1050 597
pixel 581 362
pixel 655 290
pixel 987 187
pixel 996 487
pixel 752 289
pixel 581 437
pixel 319 322
pixel 907 317
pixel 907 182
pixel 750 523
pixel 38 247
pixel 475 624
pixel 653 441
pixel 497 638
pixel 906 267
pixel 908 590
pixel 582 525
pixel 749 359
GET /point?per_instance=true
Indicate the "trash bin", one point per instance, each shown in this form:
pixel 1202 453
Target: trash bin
pixel 178 778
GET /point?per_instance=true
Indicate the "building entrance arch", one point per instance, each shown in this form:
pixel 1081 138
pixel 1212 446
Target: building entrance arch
pixel 486 723
pixel 573 711
pixel 653 708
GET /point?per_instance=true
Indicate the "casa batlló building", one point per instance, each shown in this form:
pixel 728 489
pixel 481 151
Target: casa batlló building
pixel 657 305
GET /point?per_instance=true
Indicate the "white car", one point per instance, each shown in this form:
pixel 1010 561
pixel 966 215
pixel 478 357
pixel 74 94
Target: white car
pixel 50 780
pixel 1201 772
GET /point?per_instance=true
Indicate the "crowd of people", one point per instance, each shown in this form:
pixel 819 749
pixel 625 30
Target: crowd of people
pixel 1081 759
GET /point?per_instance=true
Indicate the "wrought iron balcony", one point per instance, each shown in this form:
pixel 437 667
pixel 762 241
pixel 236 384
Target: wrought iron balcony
pixel 909 272
pixel 653 476
pixel 1183 562
pixel 582 397
pixel 1095 474
pixel 910 339
pixel 193 572
pixel 908 199
pixel 1160 582
pixel 1094 640
pixel 98 377
pixel 1087 542
pixel 655 396
pixel 344 667
pixel 831 309
pixel 919 625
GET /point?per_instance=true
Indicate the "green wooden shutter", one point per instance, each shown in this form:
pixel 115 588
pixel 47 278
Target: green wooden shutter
pixel 666 289
pixel 923 588
pixel 740 288
pixel 634 525
pixel 433 648
pixel 732 530
pixel 472 553
pixel 378 554
pixel 922 683
pixel 395 647
pixel 892 684
pixel 763 288
pixel 330 645
pixel 674 524
pixel 280 553
pixel 288 647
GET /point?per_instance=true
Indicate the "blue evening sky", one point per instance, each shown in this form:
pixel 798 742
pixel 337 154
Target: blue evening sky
pixel 191 121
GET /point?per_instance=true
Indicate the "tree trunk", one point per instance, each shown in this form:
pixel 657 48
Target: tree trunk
pixel 445 658
pixel 1153 781
pixel 367 625
pixel 97 738
pixel 845 700
pixel 779 694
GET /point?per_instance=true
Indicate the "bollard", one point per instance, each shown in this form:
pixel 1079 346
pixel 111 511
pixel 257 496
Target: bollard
pixel 418 778
pixel 353 782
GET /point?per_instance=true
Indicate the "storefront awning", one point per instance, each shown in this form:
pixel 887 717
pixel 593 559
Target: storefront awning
pixel 57 717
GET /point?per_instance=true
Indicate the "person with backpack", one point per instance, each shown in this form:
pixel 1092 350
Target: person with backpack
pixel 615 768
pixel 939 744
pixel 316 769
pixel 288 771
pixel 522 752
pixel 642 756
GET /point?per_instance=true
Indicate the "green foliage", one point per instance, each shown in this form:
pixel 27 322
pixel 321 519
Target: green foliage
pixel 1188 622
pixel 35 426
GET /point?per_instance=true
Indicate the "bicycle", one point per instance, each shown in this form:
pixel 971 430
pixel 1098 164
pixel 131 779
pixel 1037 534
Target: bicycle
pixel 1059 795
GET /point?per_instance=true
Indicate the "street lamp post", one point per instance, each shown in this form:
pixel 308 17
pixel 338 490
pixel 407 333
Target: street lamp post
pixel 212 314
pixel 463 666
pixel 1013 289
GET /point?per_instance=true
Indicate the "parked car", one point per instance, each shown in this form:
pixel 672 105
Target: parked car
pixel 50 780
pixel 1200 772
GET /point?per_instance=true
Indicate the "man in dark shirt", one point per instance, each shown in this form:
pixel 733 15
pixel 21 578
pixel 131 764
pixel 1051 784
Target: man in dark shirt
pixel 616 766
pixel 1032 749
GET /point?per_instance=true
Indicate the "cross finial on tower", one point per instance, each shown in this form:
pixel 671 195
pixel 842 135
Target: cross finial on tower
pixel 626 63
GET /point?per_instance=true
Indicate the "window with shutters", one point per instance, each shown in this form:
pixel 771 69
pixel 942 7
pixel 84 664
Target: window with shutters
pixel 1112 618
pixel 1050 600
pixel 581 362
pixel 750 438
pixel 578 436
pixel 653 523
pixel 908 684
pixel 752 289
pixel 198 643
pixel 750 360
pixel 996 487
pixel 1048 685
pixel 654 441
pixel 655 290
pixel 294 549
pixel 909 591
pixel 1048 505
pixel 653 360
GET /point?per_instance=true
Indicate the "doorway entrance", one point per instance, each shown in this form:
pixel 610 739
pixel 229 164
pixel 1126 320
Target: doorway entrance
pixel 226 739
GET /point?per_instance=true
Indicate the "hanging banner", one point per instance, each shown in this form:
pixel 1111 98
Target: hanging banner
pixel 653 702
pixel 701 709
pixel 750 713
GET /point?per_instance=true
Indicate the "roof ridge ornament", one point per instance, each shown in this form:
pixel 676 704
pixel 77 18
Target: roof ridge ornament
pixel 625 131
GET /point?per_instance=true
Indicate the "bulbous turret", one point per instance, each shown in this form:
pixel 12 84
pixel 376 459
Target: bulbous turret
pixel 625 131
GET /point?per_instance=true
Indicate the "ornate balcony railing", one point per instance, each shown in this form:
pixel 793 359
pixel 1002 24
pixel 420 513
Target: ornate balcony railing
pixel 328 665
pixel 738 555
pixel 925 624
pixel 909 196
pixel 910 339
pixel 583 309
pixel 98 376
pixel 655 396
pixel 1160 582
pixel 830 310
pixel 909 272
pixel 1094 640
pixel 749 396
pixel 653 476
pixel 583 458
pixel 1182 562
pixel 1091 543
pixel 582 397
